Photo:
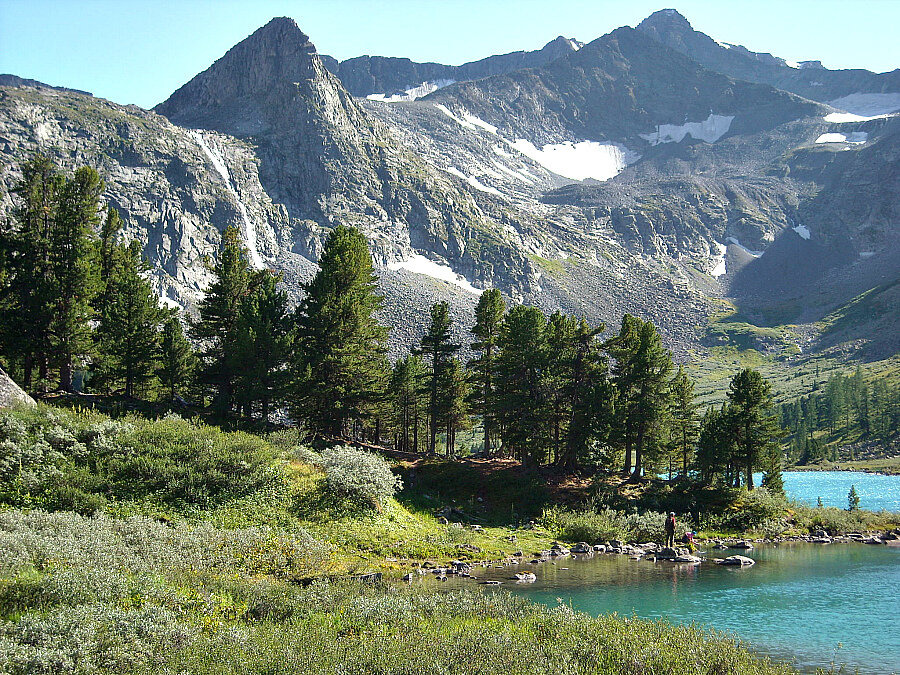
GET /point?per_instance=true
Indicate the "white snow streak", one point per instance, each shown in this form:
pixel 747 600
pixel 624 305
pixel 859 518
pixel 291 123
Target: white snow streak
pixel 737 242
pixel 471 119
pixel 868 105
pixel 411 93
pixel 579 161
pixel 719 269
pixel 854 137
pixel 710 130
pixel 419 264
pixel 802 230
pixel 218 161
pixel 468 120
pixel 518 175
pixel 842 117
pixel 474 182
pixel 866 254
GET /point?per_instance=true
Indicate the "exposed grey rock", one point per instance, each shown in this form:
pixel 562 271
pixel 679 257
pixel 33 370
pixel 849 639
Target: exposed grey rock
pixel 11 394
pixel 737 560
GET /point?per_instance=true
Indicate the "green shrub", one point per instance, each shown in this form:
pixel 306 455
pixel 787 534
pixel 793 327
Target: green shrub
pixel 358 475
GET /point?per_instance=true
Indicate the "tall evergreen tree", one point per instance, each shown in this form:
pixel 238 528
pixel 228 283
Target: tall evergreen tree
pixel 216 328
pixel 488 321
pixel 340 368
pixel 177 361
pixel 752 424
pixel 437 347
pixel 262 344
pixel 641 375
pixel 73 269
pixel 454 392
pixel 521 396
pixel 410 404
pixel 28 315
pixel 684 417
pixel 129 326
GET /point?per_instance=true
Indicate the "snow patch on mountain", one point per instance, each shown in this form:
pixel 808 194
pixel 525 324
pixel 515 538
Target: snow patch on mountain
pixel 854 137
pixel 412 93
pixel 710 130
pixel 868 104
pixel 468 121
pixel 218 162
pixel 473 181
pixel 419 264
pixel 843 117
pixel 719 257
pixel 802 230
pixel 581 160
pixel 518 175
pixel 737 242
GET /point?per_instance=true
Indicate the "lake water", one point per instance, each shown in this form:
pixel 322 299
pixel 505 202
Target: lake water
pixel 876 491
pixel 803 603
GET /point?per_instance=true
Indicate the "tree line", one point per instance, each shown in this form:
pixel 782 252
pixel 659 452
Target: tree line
pixel 843 405
pixel 546 390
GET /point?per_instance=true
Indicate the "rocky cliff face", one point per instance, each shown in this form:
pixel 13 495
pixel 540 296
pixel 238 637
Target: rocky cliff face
pixel 808 79
pixel 399 78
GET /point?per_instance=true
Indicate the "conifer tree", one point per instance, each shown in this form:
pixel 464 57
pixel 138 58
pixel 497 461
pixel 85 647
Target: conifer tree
pixel 684 417
pixel 488 320
pixel 589 393
pixel 73 270
pixel 752 423
pixel 853 499
pixel 215 329
pixel 28 315
pixel 129 326
pixel 454 392
pixel 521 396
pixel 340 369
pixel 177 361
pixel 437 347
pixel 262 344
pixel 410 404
pixel 641 375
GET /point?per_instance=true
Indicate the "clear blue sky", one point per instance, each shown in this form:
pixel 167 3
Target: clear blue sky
pixel 139 51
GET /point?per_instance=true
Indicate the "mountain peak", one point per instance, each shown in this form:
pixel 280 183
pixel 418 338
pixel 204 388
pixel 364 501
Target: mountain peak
pixel 272 58
pixel 668 17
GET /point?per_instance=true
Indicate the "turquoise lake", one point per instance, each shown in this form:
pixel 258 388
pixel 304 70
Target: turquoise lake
pixel 807 604
pixel 876 491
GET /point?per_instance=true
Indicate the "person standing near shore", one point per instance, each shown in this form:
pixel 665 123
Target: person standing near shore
pixel 670 530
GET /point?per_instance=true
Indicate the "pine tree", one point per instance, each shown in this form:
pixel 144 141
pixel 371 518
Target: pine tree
pixel 437 347
pixel 684 417
pixel 454 391
pixel 262 344
pixel 488 320
pixel 772 479
pixel 73 270
pixel 215 329
pixel 753 425
pixel 410 404
pixel 714 446
pixel 853 499
pixel 340 369
pixel 641 375
pixel 129 326
pixel 28 315
pixel 521 396
pixel 177 361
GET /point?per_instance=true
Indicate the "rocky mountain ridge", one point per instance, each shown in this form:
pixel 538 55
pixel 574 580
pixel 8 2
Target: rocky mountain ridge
pixel 622 176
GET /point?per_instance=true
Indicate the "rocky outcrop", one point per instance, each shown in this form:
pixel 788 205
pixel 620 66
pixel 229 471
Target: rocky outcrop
pixel 11 394
pixel 391 76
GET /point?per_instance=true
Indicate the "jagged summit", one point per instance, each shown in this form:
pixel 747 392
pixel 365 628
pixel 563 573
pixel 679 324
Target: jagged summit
pixel 257 68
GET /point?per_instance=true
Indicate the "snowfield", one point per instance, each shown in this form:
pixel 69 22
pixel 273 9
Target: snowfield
pixel 419 264
pixel 854 137
pixel 868 105
pixel 802 230
pixel 719 269
pixel 710 130
pixel 581 160
pixel 412 93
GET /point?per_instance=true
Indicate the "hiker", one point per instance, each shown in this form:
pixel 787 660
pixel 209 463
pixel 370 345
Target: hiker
pixel 670 530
